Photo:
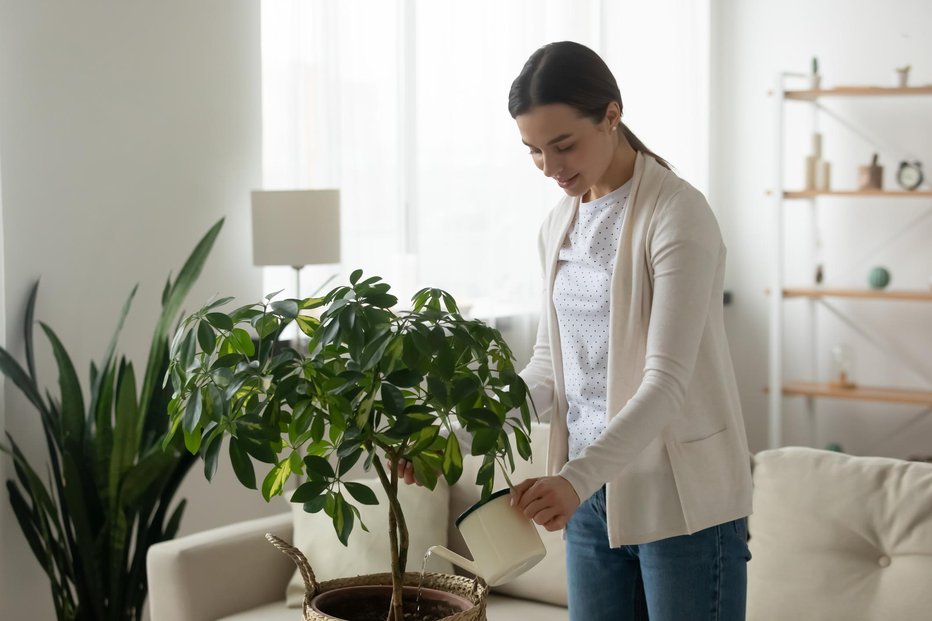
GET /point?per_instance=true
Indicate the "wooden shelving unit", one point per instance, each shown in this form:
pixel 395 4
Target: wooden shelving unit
pixel 858 91
pixel 858 393
pixel 858 193
pixel 865 294
pixel 778 386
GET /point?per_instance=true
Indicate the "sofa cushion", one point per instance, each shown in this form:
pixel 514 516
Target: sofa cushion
pixel 546 581
pixel 839 537
pixel 426 513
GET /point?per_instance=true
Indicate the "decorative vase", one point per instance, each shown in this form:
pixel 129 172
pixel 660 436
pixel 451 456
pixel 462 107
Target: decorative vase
pixel 878 278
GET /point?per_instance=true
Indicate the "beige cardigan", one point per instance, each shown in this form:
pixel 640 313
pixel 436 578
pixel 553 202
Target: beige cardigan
pixel 674 453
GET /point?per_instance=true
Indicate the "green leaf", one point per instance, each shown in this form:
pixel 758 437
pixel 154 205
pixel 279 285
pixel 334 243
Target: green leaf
pixel 219 320
pixel 242 342
pixel 349 460
pixel 392 400
pixel 343 517
pixel 275 480
pixel 523 443
pixel 211 457
pixel 424 471
pixel 192 412
pixel 361 492
pixel 72 400
pixel 206 337
pixel 286 308
pixel 452 460
pixel 484 441
pixel 315 505
pixel 405 378
pixel 265 325
pixel 382 300
pixel 27 331
pixel 11 369
pixel 318 467
pixel 125 439
pixel 170 309
pixel 309 491
pixel 355 276
pixel 242 465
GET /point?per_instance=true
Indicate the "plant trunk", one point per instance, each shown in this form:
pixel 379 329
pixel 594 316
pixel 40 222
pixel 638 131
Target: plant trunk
pixel 397 535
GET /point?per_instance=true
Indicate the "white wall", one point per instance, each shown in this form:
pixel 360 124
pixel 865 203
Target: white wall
pixel 4 512
pixel 856 43
pixel 126 130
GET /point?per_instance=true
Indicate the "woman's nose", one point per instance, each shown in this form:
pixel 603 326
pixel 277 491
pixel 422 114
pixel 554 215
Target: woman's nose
pixel 550 165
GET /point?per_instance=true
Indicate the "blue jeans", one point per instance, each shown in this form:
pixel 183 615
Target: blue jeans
pixel 695 577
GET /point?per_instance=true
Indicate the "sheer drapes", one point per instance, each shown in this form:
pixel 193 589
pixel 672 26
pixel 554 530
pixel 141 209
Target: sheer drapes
pixel 403 106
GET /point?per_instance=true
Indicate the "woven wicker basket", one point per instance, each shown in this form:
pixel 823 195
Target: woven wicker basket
pixel 474 591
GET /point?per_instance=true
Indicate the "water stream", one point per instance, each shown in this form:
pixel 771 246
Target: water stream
pixel 420 582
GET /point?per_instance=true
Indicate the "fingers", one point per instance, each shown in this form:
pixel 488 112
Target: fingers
pixel 518 492
pixel 405 471
pixel 548 501
pixel 555 524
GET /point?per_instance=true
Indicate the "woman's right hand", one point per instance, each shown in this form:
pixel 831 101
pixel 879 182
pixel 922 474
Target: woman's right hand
pixel 405 471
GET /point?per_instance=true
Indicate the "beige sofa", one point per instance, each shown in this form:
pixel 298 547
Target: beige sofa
pixel 833 537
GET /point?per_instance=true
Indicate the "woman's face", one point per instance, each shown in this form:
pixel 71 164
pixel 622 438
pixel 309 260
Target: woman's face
pixel 571 149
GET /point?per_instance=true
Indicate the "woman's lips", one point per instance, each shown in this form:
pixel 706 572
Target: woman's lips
pixel 568 182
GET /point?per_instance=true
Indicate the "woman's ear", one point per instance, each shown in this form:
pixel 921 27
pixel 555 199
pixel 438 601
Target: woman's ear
pixel 612 115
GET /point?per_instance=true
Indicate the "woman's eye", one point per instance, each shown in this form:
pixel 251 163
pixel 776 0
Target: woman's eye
pixel 564 149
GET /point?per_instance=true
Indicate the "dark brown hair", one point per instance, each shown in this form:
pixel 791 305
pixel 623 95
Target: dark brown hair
pixel 570 73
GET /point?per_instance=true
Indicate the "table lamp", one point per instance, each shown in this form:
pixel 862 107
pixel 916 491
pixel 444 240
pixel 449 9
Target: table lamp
pixel 296 228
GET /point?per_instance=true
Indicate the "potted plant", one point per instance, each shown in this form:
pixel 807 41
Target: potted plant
pixel 372 384
pixel 111 486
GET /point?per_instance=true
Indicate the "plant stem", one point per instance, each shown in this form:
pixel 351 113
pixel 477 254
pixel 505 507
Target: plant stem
pixel 399 555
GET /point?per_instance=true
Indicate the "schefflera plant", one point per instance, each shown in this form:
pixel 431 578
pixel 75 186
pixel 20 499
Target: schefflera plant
pixel 372 383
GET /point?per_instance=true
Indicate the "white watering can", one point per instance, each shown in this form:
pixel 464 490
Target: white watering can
pixel 504 544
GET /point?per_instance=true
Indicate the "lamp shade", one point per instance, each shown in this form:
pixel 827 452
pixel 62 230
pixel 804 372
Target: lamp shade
pixel 295 227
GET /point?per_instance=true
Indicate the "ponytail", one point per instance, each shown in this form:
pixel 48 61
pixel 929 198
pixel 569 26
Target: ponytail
pixel 640 147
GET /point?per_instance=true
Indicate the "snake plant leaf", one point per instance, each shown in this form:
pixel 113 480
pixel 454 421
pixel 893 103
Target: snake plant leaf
pixel 24 382
pixel 26 518
pixel 171 528
pixel 172 306
pixel 27 331
pixel 97 384
pixel 72 399
pixel 125 441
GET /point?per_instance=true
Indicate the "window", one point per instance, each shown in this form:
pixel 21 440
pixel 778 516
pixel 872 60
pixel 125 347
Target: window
pixel 402 105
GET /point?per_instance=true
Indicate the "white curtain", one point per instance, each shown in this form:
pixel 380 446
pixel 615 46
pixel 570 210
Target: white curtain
pixel 402 105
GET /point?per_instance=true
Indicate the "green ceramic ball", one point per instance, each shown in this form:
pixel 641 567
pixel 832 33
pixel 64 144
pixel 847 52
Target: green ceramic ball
pixel 878 278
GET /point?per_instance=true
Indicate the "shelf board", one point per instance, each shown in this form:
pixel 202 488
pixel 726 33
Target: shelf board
pixel 867 294
pixel 858 393
pixel 858 91
pixel 861 193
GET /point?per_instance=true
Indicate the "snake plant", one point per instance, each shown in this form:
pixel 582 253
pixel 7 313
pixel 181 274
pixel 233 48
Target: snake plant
pixel 110 486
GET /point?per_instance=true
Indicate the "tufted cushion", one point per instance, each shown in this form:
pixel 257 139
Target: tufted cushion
pixel 839 537
pixel 546 581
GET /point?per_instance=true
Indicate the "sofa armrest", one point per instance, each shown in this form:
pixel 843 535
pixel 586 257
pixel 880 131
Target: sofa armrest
pixel 215 573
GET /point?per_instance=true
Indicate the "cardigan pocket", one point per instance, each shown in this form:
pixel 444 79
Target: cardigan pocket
pixel 706 436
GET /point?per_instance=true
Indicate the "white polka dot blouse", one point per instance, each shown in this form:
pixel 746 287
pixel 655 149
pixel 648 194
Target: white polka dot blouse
pixel 581 297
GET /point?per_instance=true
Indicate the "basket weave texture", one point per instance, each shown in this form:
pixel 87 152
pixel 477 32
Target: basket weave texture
pixel 475 591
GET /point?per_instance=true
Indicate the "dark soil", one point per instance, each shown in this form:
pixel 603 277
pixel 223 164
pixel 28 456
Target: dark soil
pixel 375 608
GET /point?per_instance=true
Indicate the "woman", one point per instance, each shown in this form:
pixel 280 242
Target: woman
pixel 648 460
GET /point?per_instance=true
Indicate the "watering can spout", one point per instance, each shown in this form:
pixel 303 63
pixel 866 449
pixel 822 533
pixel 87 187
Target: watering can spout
pixel 455 558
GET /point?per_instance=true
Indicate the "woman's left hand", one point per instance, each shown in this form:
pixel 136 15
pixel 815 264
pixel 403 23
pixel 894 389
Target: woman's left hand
pixel 548 501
